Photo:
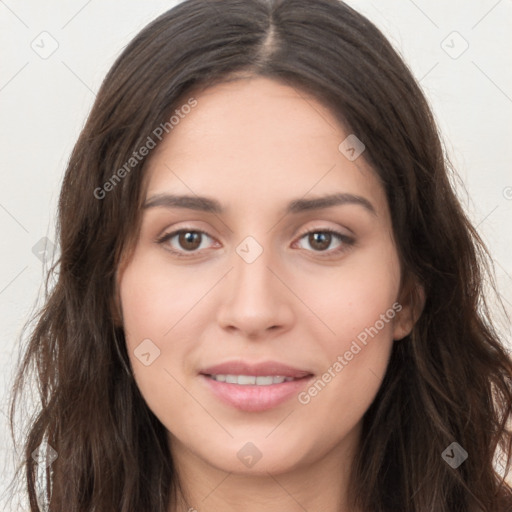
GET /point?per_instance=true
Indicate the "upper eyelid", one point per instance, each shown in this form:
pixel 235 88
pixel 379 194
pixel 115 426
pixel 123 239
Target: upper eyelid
pixel 298 233
pixel 171 234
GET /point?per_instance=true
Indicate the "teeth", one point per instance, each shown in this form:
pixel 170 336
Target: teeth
pixel 251 380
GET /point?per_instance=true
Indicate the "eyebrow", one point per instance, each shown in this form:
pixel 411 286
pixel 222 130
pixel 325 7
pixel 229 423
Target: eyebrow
pixel 210 205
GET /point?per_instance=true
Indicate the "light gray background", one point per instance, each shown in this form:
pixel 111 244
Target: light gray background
pixel 44 103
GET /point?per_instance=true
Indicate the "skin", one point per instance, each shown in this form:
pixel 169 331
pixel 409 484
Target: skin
pixel 254 145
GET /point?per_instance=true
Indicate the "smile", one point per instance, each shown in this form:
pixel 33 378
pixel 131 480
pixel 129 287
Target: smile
pixel 251 380
pixel 250 393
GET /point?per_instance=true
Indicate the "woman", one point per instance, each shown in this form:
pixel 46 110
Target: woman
pixel 268 295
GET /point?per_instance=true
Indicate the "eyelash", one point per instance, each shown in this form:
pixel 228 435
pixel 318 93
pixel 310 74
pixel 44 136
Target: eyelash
pixel 347 241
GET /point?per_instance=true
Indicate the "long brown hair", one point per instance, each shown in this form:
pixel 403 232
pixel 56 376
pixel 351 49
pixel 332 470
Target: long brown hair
pixel 448 381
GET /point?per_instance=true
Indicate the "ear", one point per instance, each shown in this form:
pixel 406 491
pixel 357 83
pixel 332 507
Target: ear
pixel 412 300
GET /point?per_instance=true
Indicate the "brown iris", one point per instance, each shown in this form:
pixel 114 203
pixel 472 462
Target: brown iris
pixel 323 240
pixel 189 240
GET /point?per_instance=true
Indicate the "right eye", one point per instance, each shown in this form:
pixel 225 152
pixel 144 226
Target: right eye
pixel 187 240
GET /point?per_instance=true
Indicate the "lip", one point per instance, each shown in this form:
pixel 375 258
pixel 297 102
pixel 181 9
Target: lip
pixel 255 369
pixel 253 398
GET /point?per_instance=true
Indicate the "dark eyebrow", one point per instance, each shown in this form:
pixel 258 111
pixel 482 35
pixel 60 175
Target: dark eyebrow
pixel 317 203
pixel 204 204
pixel 209 205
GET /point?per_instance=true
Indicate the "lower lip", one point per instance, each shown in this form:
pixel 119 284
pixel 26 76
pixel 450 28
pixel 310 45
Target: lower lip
pixel 255 398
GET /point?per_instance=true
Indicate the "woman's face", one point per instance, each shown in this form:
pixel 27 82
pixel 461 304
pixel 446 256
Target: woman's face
pixel 243 284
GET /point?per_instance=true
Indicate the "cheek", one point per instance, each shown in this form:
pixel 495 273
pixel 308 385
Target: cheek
pixel 155 304
pixel 165 310
pixel 358 304
pixel 352 297
pixel 356 362
pixel 155 300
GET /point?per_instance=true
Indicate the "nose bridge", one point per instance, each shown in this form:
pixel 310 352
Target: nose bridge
pixel 254 275
pixel 255 299
pixel 252 278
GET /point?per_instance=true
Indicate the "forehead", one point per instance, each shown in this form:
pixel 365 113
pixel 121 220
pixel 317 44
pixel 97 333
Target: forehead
pixel 258 142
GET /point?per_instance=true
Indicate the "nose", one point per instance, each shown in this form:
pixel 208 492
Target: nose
pixel 255 299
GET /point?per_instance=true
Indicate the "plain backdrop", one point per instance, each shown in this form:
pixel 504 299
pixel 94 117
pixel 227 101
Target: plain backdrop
pixel 55 55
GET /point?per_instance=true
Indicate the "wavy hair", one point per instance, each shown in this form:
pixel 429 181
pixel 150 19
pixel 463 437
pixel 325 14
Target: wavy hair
pixel 448 381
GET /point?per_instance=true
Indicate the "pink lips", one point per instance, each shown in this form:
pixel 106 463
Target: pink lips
pixel 260 369
pixel 254 398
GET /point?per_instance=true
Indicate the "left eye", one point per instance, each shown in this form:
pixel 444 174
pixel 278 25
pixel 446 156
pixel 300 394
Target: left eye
pixel 320 240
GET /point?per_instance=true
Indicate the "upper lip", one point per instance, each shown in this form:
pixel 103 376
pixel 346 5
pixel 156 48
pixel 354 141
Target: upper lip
pixel 270 368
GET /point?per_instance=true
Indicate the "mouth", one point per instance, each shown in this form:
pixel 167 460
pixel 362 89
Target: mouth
pixel 252 380
pixel 254 387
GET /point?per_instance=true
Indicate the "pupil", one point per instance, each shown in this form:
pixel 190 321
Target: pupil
pixel 187 240
pixel 323 238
